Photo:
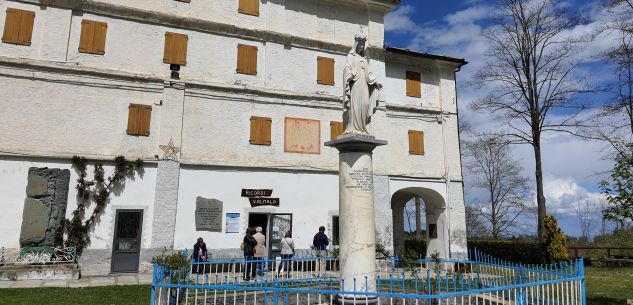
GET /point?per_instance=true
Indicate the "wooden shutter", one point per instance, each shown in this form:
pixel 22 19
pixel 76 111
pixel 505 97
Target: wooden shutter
pixel 175 49
pixel 246 59
pixel 18 27
pixel 416 142
pixel 413 84
pixel 249 7
pixel 336 129
pixel 325 71
pixel 260 130
pixel 93 36
pixel 138 120
pixel 145 116
pixel 132 119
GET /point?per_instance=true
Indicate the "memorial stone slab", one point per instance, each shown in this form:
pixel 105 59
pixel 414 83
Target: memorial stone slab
pixel 44 207
pixel 208 214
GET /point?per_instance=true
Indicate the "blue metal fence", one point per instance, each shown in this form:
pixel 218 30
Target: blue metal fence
pixel 481 279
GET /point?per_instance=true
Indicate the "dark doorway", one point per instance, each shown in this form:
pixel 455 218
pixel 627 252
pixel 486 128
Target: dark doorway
pixel 127 241
pixel 274 227
pixel 258 220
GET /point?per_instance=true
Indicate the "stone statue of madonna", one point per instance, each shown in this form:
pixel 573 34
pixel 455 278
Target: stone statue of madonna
pixel 362 90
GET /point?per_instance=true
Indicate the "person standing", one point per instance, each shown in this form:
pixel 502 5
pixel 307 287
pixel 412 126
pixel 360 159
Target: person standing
pixel 199 255
pixel 248 246
pixel 260 249
pixel 287 252
pixel 320 243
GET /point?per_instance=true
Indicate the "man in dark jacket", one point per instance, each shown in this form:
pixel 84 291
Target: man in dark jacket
pixel 320 243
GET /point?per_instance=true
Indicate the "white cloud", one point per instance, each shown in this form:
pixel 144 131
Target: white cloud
pixel 400 20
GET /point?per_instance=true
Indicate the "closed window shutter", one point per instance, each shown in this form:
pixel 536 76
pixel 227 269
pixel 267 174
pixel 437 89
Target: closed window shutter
pixel 325 71
pixel 336 129
pixel 260 130
pixel 101 29
pixel 249 7
pixel 133 119
pixel 175 49
pixel 246 59
pixel 413 84
pixel 145 116
pixel 11 26
pixel 18 27
pixel 416 142
pixel 87 36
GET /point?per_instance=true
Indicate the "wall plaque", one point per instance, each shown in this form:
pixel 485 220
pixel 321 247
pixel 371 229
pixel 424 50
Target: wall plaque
pixel 256 193
pixel 257 202
pixel 208 215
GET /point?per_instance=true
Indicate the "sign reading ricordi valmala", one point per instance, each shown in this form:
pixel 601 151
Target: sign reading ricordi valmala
pixel 256 193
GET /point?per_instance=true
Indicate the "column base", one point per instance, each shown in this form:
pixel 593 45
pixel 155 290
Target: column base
pixel 355 299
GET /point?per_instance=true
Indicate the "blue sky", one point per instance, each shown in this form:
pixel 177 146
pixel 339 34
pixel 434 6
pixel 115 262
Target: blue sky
pixel 572 166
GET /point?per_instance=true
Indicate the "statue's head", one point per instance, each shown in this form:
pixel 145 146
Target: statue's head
pixel 359 42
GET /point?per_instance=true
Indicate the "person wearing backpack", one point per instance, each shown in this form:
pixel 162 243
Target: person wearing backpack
pixel 248 246
pixel 287 252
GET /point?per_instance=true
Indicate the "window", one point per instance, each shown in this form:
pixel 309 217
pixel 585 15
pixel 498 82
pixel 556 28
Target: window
pixel 325 71
pixel 432 231
pixel 18 27
pixel 93 37
pixel 138 119
pixel 413 84
pixel 416 142
pixel 249 7
pixel 246 59
pixel 336 129
pixel 335 230
pixel 260 130
pixel 175 49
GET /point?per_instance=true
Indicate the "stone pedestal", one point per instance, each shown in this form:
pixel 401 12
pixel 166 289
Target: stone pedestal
pixel 357 220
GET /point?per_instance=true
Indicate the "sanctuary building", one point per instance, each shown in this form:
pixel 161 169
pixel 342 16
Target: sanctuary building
pixel 228 103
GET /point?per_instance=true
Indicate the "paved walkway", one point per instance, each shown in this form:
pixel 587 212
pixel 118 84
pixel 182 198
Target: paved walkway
pixel 93 281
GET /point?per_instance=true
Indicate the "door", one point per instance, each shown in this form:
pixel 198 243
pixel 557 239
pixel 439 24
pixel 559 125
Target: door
pixel 127 241
pixel 279 225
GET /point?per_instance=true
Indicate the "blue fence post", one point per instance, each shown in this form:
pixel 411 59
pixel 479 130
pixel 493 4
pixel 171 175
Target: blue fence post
pixel 582 274
pixel 151 301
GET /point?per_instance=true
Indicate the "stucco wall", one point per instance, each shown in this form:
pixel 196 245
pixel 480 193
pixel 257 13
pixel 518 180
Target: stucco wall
pixel 308 196
pixel 137 194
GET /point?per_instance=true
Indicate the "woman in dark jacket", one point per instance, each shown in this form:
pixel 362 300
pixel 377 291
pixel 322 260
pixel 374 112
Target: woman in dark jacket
pixel 199 255
pixel 248 245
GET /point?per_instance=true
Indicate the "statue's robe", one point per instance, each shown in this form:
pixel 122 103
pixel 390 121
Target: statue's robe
pixel 361 95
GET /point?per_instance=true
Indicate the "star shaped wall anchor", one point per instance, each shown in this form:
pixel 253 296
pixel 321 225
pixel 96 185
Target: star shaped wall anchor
pixel 170 151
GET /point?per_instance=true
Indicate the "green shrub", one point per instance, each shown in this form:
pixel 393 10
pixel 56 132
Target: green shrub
pixel 555 241
pixel 174 261
pixel 523 251
pixel 415 247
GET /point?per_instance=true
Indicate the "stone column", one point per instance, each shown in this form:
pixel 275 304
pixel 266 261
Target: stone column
pixel 418 218
pixel 165 204
pixel 356 216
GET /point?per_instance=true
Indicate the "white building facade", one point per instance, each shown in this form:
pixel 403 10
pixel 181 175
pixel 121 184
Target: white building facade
pixel 68 89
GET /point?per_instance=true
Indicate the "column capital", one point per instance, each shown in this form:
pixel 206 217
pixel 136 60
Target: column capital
pixel 356 143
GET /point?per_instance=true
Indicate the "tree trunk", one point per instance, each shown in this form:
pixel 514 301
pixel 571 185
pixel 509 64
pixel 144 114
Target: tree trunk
pixel 540 197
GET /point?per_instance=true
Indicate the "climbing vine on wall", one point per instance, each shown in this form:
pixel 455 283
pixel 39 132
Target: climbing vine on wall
pixel 95 193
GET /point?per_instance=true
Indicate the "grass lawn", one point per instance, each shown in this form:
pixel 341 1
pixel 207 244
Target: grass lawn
pixel 108 295
pixel 608 286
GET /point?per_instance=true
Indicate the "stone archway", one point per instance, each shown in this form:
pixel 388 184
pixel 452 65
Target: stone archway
pixel 435 215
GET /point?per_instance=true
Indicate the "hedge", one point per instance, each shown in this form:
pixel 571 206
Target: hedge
pixel 525 252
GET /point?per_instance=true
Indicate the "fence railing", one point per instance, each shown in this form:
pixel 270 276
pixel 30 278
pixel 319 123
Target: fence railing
pixel 316 280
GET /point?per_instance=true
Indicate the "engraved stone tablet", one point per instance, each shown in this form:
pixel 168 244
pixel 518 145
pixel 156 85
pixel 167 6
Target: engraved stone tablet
pixel 208 215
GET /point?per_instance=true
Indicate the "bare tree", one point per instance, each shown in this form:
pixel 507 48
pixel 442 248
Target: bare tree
pixel 529 74
pixel 475 225
pixel 586 213
pixel 492 169
pixel 614 124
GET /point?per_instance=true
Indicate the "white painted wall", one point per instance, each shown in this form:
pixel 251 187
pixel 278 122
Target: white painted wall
pixel 309 197
pixel 137 194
